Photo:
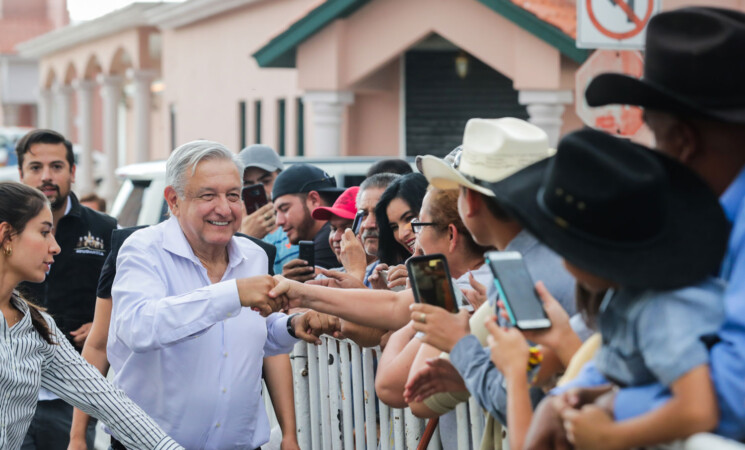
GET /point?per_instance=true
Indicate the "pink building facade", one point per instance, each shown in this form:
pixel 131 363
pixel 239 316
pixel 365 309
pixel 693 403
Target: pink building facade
pixel 309 77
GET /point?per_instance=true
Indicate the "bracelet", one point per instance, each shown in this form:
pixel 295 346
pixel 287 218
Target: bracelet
pixel 290 328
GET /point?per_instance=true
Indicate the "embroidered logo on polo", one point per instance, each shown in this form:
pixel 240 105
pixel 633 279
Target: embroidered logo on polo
pixel 90 245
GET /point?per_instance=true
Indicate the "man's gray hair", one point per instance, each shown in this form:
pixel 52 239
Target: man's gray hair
pixel 377 181
pixel 189 155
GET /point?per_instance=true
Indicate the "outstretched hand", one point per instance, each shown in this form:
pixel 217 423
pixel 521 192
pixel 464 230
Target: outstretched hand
pixel 253 293
pixel 439 375
pixel 336 279
pixel 310 325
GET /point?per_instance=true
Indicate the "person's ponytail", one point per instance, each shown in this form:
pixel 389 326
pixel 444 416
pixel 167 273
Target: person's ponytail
pixel 37 320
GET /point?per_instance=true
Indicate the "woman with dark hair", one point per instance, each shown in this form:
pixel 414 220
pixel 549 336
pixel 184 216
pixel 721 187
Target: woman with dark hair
pixel 34 353
pixel 398 206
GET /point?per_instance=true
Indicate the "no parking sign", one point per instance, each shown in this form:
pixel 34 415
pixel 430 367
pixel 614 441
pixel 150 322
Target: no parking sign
pixel 614 24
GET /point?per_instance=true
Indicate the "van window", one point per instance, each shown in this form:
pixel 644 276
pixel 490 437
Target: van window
pixel 131 209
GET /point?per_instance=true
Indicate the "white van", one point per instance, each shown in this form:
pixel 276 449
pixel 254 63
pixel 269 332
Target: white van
pixel 140 199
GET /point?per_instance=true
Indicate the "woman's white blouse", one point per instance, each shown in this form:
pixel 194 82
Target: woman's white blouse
pixel 27 363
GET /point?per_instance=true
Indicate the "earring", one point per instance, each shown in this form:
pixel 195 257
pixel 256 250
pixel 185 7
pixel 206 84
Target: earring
pixel 8 251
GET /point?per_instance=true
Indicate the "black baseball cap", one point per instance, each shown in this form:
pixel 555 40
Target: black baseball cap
pixel 303 178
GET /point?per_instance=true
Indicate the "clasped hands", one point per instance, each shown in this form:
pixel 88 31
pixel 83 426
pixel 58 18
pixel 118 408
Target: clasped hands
pixel 266 295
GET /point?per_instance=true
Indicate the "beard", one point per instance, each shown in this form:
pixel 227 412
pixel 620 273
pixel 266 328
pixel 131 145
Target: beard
pixel 57 201
pixel 304 230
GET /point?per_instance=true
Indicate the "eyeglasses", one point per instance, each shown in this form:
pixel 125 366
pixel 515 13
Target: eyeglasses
pixel 417 226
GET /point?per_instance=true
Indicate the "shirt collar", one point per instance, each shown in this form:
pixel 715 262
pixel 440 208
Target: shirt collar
pixel 174 241
pixel 731 200
pixel 73 207
pixel 522 243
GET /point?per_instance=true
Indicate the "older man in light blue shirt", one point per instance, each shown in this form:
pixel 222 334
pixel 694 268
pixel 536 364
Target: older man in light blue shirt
pixel 183 342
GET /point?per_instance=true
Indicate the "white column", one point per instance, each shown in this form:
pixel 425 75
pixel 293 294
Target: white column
pixel 63 102
pixel 111 93
pixel 142 105
pixel 546 109
pixel 328 112
pixel 46 108
pixel 84 172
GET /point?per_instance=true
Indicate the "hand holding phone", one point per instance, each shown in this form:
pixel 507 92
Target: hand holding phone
pixel 516 290
pixel 308 252
pixel 254 197
pixel 431 281
pixel 358 221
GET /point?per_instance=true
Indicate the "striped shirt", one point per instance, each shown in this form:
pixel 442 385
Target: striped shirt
pixel 27 363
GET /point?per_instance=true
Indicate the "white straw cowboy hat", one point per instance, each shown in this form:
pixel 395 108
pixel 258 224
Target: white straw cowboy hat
pixel 493 149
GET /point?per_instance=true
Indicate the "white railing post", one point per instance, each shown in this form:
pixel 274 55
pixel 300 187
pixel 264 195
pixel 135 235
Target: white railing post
pixel 314 382
pixel 335 410
pixel 477 422
pixel 371 426
pixel 323 378
pixel 300 376
pixel 398 428
pixel 413 428
pixel 359 395
pixel 461 414
pixel 345 391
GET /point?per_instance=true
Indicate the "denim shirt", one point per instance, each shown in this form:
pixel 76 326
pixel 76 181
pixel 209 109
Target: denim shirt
pixel 728 355
pixel 482 378
pixel 653 336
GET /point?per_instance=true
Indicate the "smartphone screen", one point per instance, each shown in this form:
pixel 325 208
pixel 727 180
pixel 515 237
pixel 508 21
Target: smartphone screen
pixel 307 252
pixel 357 222
pixel 431 282
pixel 254 197
pixel 517 291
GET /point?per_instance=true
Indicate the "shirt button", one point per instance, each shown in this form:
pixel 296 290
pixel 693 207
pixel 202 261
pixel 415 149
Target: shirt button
pixel 230 314
pixel 224 390
pixel 217 426
pixel 225 354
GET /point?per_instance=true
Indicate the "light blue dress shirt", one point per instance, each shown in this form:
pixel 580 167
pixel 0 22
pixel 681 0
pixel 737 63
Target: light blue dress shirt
pixel 727 357
pixel 183 348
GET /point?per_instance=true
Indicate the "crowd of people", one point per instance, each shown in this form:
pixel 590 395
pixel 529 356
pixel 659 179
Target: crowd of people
pixel 636 253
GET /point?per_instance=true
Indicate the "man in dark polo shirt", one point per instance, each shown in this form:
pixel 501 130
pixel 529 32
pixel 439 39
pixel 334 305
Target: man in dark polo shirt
pixel 46 162
pixel 297 191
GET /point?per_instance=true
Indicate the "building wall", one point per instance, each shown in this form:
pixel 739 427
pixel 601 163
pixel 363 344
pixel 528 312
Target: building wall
pixel 208 70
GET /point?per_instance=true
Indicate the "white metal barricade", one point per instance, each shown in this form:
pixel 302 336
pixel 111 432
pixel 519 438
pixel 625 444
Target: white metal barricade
pixel 336 405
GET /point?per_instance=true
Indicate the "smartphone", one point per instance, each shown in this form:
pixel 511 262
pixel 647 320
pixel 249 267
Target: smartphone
pixel 254 197
pixel 431 282
pixel 517 290
pixel 384 277
pixel 308 252
pixel 357 222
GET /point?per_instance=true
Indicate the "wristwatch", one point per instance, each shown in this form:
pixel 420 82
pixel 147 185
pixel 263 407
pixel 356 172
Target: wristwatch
pixel 290 328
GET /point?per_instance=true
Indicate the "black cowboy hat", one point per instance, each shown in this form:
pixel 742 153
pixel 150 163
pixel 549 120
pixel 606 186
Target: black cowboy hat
pixel 620 211
pixel 693 64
